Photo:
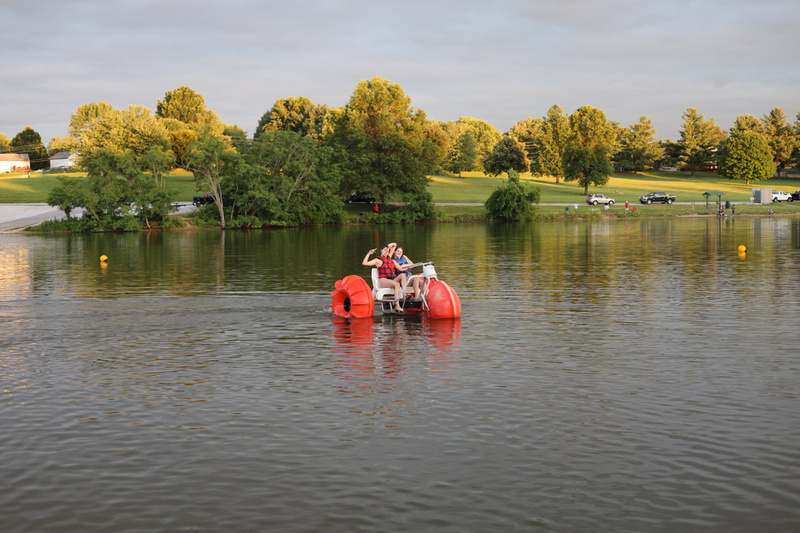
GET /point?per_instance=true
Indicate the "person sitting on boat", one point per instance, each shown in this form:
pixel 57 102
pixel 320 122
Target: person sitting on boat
pixel 404 265
pixel 387 271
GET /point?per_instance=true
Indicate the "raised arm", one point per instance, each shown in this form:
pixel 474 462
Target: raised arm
pixel 368 262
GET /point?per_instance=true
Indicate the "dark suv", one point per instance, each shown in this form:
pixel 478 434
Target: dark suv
pixel 795 197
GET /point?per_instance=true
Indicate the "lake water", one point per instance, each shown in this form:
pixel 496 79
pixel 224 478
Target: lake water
pixel 634 375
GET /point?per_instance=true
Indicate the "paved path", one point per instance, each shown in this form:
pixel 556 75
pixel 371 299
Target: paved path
pixel 17 216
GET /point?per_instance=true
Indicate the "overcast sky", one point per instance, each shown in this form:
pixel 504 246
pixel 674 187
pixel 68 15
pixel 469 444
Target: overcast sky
pixel 496 60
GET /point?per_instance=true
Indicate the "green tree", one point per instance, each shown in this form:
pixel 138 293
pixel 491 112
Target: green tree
pixel 485 135
pixel 512 202
pixel 66 195
pixel 746 156
pixel 639 148
pixel 700 140
pixel 289 180
pixel 187 106
pixel 238 138
pixel 61 144
pixel 99 125
pixel 381 142
pixel 29 142
pixel 508 154
pixel 5 142
pixel 158 162
pixel 547 153
pixel 781 137
pixel 746 122
pixel 212 160
pixel 586 157
pixel 116 195
pixel 462 155
pixel 527 131
pixel 298 114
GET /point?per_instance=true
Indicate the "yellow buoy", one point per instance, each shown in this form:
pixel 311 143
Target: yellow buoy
pixel 742 248
pixel 103 259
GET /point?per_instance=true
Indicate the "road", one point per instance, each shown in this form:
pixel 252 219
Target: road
pixel 14 217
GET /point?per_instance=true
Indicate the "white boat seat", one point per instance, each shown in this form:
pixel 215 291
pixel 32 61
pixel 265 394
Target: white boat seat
pixel 386 293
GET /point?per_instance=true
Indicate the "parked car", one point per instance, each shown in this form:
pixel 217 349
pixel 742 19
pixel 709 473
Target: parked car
pixel 358 197
pixel 594 199
pixel 795 197
pixel 202 200
pixel 662 197
pixel 780 196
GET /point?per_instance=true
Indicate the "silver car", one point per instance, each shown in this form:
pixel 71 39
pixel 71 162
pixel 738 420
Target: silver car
pixel 595 199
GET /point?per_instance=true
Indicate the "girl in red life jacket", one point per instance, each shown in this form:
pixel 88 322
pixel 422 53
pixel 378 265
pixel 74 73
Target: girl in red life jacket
pixel 387 271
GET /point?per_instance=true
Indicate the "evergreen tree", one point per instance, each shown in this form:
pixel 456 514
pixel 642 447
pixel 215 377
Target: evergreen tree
pixel 700 140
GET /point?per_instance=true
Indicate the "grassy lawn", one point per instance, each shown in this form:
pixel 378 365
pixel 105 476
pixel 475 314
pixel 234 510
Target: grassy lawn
pixel 475 188
pixel 17 188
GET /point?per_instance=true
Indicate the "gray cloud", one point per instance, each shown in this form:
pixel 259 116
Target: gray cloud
pixel 500 61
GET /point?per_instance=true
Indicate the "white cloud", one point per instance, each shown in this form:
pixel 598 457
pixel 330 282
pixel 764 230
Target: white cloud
pixel 500 61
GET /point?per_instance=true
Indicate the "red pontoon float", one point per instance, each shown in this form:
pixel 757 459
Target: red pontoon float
pixel 353 298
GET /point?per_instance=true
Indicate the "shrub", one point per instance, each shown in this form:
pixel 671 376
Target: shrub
pixel 511 201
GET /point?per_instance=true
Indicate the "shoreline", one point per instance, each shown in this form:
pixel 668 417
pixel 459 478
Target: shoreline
pixel 16 218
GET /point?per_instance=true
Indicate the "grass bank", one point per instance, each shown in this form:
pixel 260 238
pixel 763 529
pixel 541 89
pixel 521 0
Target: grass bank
pixel 475 188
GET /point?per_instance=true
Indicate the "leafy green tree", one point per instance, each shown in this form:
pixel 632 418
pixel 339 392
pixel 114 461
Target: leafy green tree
pixel 298 114
pixel 381 142
pixel 116 195
pixel 437 134
pixel 746 155
pixel 462 155
pixel 588 165
pixel 212 160
pixel 189 107
pixel 238 138
pixel 781 137
pixel 29 142
pixel 700 140
pixel 508 154
pixel 512 202
pixel 527 131
pixel 639 148
pixel 5 142
pixel 66 195
pixel 547 154
pixel 586 157
pixel 288 180
pixel 61 144
pixel 158 162
pixel 486 135
pixel 99 126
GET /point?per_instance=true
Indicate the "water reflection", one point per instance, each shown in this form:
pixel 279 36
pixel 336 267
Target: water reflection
pixel 200 381
pixel 386 344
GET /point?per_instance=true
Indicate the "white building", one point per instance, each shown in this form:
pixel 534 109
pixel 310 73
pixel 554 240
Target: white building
pixel 15 163
pixel 63 160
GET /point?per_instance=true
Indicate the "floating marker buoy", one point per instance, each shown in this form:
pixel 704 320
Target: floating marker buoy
pixel 103 259
pixel 742 248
